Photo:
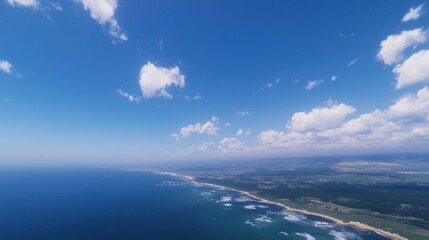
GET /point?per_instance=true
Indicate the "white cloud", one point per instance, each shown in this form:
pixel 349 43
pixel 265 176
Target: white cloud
pixel 249 131
pixel 272 137
pixel 210 128
pixel 44 7
pixel 198 97
pixel 203 147
pixel 414 107
pixel 6 67
pixel 393 46
pixel 363 124
pixel 56 6
pixel 154 81
pixel 352 62
pixel 333 78
pixel 243 113
pixel 240 132
pixel 24 3
pixel 116 32
pixel 199 148
pixel 103 11
pixel 413 14
pixel 413 70
pixel 271 84
pixel 312 84
pixel 175 136
pixel 130 97
pixel 403 124
pixel 231 145
pixel 320 118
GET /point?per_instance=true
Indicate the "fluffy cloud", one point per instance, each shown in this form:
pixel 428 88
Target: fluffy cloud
pixel 103 11
pixel 414 107
pixel 210 128
pixel 154 81
pixel 393 46
pixel 413 70
pixel 272 137
pixel 24 3
pixel 5 66
pixel 413 14
pixel 312 84
pixel 231 145
pixel 320 118
pixel 363 124
pixel 404 123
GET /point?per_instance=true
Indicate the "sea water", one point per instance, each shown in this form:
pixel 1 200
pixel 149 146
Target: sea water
pixel 56 204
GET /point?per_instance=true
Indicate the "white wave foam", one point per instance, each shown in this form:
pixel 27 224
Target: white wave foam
pixel 263 218
pixel 343 235
pixel 227 204
pixel 323 225
pixel 252 207
pixel 262 206
pixel 206 193
pixel 170 184
pixel 244 198
pixel 306 236
pixel 293 217
pixel 250 223
pixel 282 233
pixel 225 199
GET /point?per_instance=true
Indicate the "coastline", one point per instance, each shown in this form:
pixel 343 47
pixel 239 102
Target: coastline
pixel 359 225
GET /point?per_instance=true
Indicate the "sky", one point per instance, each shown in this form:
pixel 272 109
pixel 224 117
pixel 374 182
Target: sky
pixel 120 81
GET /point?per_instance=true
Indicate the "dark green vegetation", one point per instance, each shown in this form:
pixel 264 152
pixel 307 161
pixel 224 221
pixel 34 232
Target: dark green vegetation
pixel 386 192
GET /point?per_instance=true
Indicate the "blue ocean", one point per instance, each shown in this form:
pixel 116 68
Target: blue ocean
pixel 105 204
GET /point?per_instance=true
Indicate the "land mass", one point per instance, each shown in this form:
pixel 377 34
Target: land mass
pixel 384 193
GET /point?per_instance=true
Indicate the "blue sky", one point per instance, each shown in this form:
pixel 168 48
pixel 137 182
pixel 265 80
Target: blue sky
pixel 108 80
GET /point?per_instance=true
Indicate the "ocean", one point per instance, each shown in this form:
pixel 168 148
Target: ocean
pixel 105 204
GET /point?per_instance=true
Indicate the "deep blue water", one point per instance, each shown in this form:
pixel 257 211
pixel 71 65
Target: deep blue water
pixel 45 204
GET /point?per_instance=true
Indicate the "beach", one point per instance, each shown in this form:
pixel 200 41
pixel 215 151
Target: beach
pixel 359 225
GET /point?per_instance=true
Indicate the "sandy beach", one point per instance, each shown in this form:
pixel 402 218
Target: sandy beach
pixel 262 200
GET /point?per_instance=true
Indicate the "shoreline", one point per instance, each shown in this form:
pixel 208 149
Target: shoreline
pixel 359 225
